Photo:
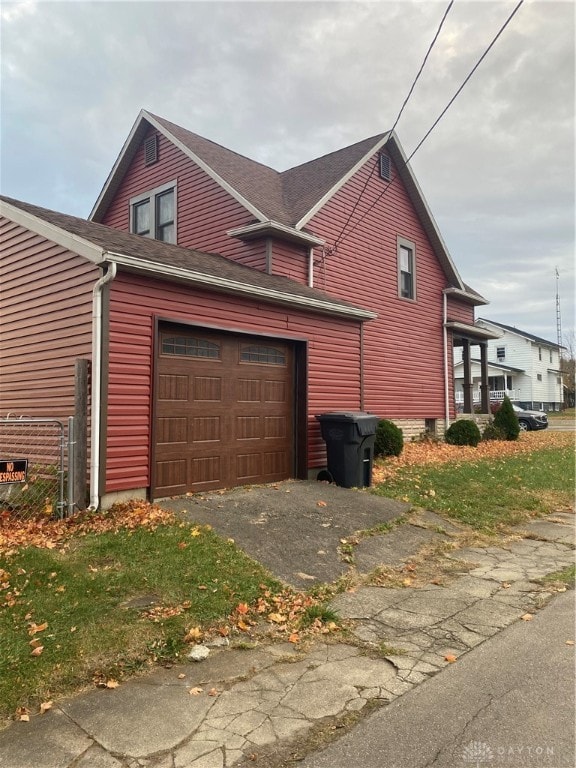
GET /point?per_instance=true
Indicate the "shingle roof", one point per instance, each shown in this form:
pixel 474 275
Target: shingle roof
pixel 537 339
pixel 282 196
pixel 143 249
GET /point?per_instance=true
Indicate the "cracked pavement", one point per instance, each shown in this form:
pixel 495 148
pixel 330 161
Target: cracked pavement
pixel 260 701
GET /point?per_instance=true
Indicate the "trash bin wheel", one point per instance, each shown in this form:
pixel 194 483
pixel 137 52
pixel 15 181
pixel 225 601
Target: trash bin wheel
pixel 324 476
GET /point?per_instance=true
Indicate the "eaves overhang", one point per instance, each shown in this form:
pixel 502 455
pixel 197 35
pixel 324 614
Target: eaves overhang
pixel 469 298
pixel 471 332
pixel 143 121
pixel 71 242
pixel 275 229
pixel 227 285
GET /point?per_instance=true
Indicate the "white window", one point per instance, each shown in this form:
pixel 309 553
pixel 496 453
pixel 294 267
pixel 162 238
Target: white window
pixel 406 269
pixel 153 214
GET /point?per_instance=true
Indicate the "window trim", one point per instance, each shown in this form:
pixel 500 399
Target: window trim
pixel 402 242
pixel 152 196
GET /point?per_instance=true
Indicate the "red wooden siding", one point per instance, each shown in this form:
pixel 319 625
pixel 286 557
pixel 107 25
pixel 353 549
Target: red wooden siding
pixel 403 348
pixel 333 362
pixel 290 260
pixel 45 322
pixel 458 310
pixel 205 212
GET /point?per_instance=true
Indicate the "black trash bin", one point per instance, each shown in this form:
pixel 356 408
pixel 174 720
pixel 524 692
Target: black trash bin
pixel 349 438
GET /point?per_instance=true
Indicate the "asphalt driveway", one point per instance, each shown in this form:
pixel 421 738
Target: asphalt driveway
pixel 293 528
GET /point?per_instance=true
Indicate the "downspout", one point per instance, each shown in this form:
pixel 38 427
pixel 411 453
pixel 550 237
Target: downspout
pixel 311 267
pixel 95 400
pixel 446 368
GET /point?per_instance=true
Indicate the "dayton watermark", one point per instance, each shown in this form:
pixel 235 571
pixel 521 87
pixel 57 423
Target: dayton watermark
pixel 480 754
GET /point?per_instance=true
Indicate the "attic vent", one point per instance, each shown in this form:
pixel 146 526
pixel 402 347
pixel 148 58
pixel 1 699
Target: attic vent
pixel 385 168
pixel 151 149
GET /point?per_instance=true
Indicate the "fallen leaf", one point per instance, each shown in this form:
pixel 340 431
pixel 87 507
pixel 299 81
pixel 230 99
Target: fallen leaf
pixel 527 617
pixel 195 532
pixel 45 706
pixel 37 651
pixel 193 635
pixel 37 628
pixel 195 691
pixel 112 683
pixel 23 714
pixel 242 608
pixel 242 625
pixel 277 618
pixel 213 692
pixel 35 642
pixel 569 642
pixel 506 585
pixel 450 658
pixel 406 582
pixel 181 676
pixel 321 504
pixel 294 638
pixel 182 545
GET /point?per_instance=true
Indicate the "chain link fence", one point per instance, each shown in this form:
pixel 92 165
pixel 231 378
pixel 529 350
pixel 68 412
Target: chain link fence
pixel 37 467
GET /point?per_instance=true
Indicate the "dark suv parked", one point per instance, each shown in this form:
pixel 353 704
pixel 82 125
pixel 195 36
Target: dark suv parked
pixel 530 419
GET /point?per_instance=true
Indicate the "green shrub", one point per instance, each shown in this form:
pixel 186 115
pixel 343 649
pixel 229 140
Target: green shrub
pixel 389 439
pixel 463 432
pixel 506 420
pixel 491 432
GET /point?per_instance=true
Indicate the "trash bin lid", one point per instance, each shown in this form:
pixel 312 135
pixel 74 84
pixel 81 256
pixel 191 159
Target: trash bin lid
pixel 366 423
pixel 355 416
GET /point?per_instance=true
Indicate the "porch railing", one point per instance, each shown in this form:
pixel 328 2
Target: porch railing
pixel 496 395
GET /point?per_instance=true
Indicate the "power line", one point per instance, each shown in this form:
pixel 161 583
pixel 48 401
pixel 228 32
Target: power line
pixel 474 68
pixel 398 116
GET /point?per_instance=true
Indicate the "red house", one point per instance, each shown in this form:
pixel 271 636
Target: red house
pixel 223 305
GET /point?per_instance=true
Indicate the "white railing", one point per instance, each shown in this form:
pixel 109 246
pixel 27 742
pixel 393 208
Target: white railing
pixel 495 395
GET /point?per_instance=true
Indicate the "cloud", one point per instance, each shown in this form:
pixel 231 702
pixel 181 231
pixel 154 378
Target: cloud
pixel 284 82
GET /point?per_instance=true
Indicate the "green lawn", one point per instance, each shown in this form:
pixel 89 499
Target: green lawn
pixel 197 577
pixel 490 493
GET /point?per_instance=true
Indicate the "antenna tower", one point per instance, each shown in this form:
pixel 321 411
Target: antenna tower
pixel 558 316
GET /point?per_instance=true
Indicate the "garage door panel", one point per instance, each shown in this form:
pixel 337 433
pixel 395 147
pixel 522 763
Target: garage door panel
pixel 205 429
pixel 171 476
pixel 248 390
pixel 172 387
pixel 275 427
pixel 208 389
pixel 223 421
pixel 205 471
pixel 248 428
pixel 172 429
pixel 275 391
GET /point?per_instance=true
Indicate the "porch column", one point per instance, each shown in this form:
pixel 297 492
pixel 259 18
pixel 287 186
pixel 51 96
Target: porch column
pixel 467 376
pixel 484 386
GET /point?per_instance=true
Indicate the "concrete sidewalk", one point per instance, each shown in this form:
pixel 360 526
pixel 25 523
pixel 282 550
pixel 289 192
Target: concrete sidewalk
pixel 274 703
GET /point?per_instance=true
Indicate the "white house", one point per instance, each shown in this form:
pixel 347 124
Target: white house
pixel 523 366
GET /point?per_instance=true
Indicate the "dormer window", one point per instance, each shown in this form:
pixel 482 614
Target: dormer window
pixel 153 214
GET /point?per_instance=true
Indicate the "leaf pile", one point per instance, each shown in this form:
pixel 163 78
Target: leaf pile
pixel 283 615
pixel 428 452
pixel 50 534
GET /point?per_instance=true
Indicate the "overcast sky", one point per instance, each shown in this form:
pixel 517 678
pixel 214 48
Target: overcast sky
pixel 285 82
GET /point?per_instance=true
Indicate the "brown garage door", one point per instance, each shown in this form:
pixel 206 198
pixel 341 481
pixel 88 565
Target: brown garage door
pixel 224 411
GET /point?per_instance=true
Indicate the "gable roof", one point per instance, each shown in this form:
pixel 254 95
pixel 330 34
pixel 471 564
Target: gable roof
pixel 291 197
pixel 102 244
pixel 518 332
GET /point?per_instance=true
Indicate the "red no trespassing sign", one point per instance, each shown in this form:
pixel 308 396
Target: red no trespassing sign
pixel 13 471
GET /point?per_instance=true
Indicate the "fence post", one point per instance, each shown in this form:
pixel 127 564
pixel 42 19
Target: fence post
pixel 81 432
pixel 71 467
